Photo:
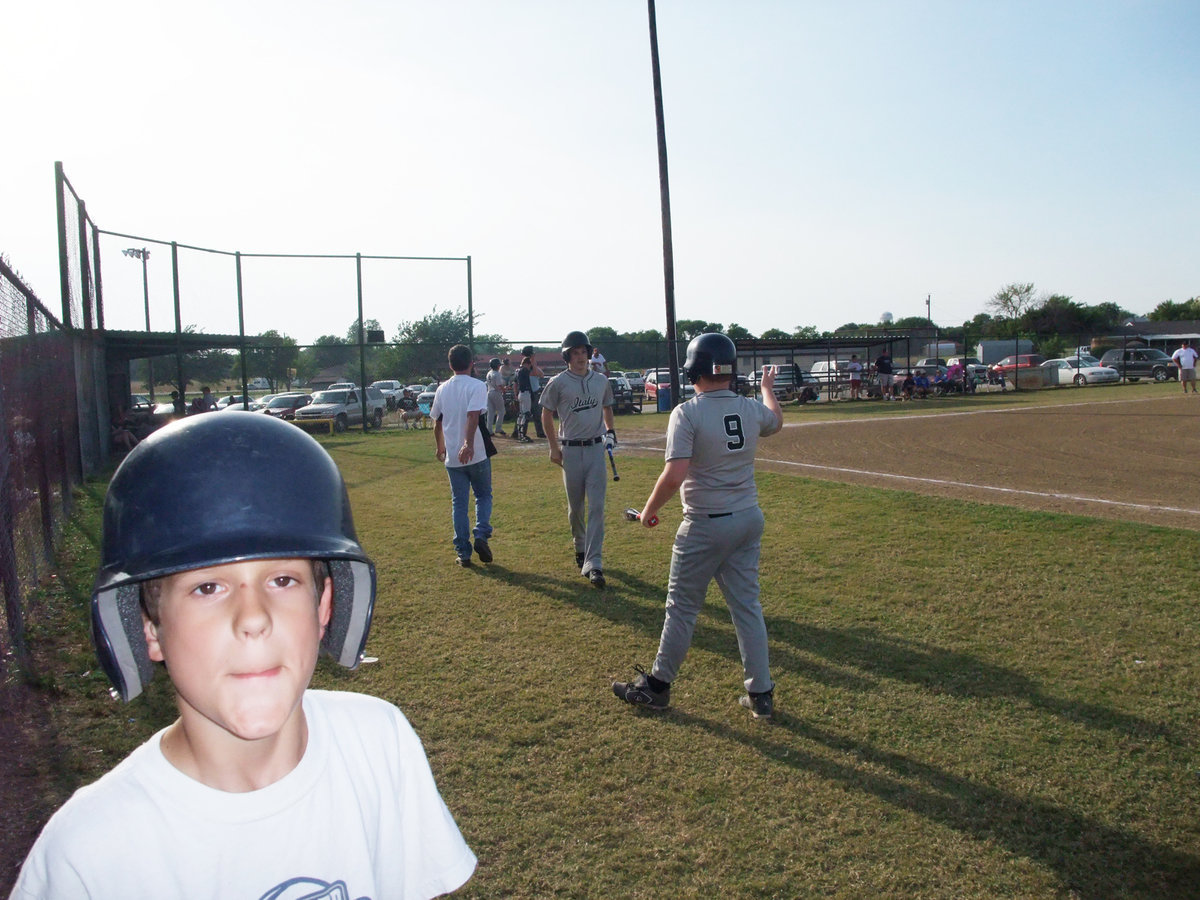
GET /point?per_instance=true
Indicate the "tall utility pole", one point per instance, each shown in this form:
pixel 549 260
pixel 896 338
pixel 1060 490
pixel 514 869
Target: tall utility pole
pixel 143 254
pixel 665 195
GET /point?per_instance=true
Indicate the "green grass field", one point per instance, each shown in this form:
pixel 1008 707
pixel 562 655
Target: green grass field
pixel 973 701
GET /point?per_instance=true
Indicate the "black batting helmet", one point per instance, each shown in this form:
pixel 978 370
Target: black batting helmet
pixel 572 340
pixel 494 362
pixel 710 354
pixel 210 490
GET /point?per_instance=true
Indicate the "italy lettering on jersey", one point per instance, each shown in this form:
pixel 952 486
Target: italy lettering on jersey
pixel 579 401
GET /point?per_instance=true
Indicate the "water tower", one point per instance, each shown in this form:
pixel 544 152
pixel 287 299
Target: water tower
pixel 885 319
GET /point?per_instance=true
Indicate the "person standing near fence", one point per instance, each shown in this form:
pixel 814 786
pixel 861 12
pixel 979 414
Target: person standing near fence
pixel 711 443
pixel 458 406
pixel 855 369
pixel 883 369
pixel 583 400
pixel 524 401
pixel 1185 357
pixel 535 390
pixel 495 398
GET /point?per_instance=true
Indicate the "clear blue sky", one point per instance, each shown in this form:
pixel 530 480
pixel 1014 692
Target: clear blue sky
pixel 829 161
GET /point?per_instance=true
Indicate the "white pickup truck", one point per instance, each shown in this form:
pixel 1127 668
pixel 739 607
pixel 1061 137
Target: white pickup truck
pixel 392 390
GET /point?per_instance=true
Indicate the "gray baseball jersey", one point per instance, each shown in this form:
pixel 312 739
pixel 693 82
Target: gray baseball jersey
pixel 579 401
pixel 718 431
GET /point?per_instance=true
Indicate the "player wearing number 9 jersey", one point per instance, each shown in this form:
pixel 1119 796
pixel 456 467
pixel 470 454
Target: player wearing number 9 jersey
pixel 711 444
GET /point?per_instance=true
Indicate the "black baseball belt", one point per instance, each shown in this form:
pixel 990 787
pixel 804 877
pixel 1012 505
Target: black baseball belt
pixel 586 443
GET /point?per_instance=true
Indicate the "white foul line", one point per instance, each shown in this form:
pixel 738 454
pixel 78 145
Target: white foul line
pixel 983 487
pixel 917 417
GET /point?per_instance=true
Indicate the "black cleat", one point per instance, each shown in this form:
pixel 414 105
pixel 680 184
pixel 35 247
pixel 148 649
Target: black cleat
pixel 484 551
pixel 464 561
pixel 761 706
pixel 639 693
pixel 596 577
pixel 579 558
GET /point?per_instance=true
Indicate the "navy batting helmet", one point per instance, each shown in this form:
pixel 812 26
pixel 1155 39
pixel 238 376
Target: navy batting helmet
pixel 710 354
pixel 572 340
pixel 211 490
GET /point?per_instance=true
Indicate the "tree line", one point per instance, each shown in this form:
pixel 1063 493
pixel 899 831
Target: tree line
pixel 417 349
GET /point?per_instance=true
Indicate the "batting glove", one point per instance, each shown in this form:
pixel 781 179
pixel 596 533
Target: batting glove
pixel 610 441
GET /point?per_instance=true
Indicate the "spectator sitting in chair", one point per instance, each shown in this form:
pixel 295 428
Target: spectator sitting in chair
pixel 921 385
pixel 907 386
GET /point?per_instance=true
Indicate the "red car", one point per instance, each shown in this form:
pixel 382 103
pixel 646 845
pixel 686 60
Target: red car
pixel 1023 361
pixel 284 406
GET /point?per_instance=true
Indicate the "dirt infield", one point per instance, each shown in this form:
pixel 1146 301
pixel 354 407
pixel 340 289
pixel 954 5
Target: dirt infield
pixel 1129 453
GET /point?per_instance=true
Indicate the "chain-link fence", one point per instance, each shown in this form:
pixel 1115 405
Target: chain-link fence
pixel 40 458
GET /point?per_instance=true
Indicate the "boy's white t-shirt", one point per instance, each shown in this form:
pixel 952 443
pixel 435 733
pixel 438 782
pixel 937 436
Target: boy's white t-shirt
pixel 359 817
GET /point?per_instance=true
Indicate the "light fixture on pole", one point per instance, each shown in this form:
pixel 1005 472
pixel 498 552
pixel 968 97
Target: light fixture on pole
pixel 143 254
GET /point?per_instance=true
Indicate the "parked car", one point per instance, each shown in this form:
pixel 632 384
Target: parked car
pixel 624 399
pixel 637 382
pixel 392 391
pixel 239 400
pixel 662 377
pixel 934 368
pixel 826 371
pixel 972 364
pixel 140 403
pixel 344 408
pixel 790 382
pixel 1010 364
pixel 284 406
pixel 1141 362
pixel 1074 371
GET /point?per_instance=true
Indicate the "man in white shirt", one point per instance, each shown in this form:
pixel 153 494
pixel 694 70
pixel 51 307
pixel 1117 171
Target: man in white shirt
pixel 1185 358
pixel 457 407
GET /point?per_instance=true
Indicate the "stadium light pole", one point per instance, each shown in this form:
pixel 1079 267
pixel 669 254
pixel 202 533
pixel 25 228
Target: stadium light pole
pixel 665 200
pixel 143 254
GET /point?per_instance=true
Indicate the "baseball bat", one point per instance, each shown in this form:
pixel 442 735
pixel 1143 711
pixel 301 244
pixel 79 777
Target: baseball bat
pixel 612 462
pixel 634 516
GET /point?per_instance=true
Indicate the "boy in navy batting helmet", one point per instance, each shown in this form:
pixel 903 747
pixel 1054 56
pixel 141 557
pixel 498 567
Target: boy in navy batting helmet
pixel 229 554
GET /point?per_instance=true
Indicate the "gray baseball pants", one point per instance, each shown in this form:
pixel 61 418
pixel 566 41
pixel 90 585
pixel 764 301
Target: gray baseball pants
pixel 495 411
pixel 586 480
pixel 725 548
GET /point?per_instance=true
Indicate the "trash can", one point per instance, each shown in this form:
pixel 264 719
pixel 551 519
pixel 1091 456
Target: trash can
pixel 664 398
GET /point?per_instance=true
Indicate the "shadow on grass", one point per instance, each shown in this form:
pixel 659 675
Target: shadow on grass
pixel 871 655
pixel 571 587
pixel 1093 859
pixel 953 673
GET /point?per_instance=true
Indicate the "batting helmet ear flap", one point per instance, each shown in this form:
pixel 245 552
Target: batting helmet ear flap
pixel 119 636
pixel 353 603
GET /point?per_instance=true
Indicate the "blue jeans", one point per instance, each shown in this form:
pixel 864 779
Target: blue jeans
pixel 476 477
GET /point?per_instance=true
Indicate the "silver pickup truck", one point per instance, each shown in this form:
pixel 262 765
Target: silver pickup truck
pixel 343 407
